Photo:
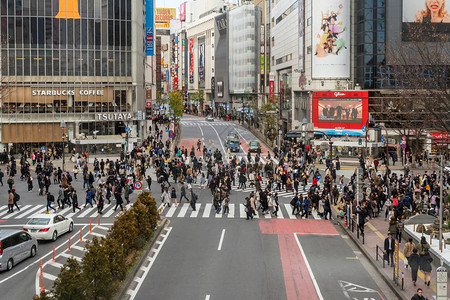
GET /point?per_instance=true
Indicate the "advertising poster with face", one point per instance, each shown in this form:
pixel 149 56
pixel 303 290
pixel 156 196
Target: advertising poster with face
pixel 331 38
pixel 201 62
pixel 425 20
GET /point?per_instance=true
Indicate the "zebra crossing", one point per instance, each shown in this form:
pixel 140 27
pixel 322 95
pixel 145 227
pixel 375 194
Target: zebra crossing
pixel 281 193
pixel 236 211
pixel 205 123
pixel 27 211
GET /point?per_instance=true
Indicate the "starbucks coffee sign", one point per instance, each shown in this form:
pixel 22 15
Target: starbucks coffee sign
pixel 114 117
pixel 61 92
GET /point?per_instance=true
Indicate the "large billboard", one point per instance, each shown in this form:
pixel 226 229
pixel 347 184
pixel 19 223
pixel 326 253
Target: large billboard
pixel 340 109
pixel 425 20
pixel 201 62
pixel 149 29
pixel 191 60
pixel 164 15
pixel 331 38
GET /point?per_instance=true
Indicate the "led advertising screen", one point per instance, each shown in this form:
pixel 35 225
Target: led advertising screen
pixel 425 20
pixel 344 110
pixel 331 39
pixel 300 34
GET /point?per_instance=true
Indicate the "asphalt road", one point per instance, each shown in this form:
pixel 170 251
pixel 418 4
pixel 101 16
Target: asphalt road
pixel 215 256
pixel 23 275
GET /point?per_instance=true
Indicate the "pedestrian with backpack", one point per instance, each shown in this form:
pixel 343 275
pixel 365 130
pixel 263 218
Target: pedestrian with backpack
pixel 50 200
pixel 88 198
pixel 16 199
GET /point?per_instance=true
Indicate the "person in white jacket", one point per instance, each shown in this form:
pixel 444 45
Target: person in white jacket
pixel 165 197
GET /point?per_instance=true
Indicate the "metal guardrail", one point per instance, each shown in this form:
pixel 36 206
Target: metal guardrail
pixel 377 255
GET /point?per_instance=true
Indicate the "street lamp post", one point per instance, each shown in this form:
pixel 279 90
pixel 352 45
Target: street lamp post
pixel 63 126
pixel 441 201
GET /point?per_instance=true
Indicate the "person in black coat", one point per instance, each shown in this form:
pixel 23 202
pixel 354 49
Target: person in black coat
pixel 418 295
pixel 389 246
pixel 425 266
pixel 414 262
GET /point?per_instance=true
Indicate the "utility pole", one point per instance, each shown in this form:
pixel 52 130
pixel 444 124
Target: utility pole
pixel 441 202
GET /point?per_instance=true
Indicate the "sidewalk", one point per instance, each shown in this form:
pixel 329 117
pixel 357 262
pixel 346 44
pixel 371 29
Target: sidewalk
pixel 375 234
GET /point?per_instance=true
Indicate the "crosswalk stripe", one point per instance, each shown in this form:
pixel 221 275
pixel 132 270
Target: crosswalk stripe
pixel 110 211
pixel 280 213
pixel 95 214
pixel 194 213
pixel 30 211
pixel 289 212
pixel 65 210
pixel 207 210
pixel 86 212
pixel 183 210
pixel 268 215
pixel 23 208
pixel 4 207
pixel 3 213
pixel 231 213
pixel 220 214
pixel 171 211
pixel 242 212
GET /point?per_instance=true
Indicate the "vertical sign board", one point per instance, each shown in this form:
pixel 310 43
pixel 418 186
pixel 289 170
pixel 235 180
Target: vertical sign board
pixel 201 62
pixel 396 266
pixel 150 43
pixel 191 60
pixel 300 34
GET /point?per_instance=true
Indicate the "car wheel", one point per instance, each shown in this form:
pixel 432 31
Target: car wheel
pixel 9 264
pixel 33 251
pixel 55 235
pixel 71 227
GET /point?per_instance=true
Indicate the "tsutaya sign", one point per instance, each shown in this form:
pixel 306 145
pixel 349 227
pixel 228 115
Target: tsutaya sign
pixel 114 116
pixel 66 92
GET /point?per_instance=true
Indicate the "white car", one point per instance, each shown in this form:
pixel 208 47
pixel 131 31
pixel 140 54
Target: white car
pixel 48 226
pixel 209 118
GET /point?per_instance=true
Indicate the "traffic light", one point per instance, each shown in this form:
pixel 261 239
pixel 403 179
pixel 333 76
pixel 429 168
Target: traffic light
pixel 360 142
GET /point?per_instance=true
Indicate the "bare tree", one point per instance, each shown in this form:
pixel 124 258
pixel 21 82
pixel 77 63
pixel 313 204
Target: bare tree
pixel 418 70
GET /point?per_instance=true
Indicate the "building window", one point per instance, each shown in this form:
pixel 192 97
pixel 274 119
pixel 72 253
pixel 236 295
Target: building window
pixel 309 50
pixel 308 21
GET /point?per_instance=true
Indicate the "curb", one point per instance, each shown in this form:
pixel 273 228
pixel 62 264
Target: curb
pixel 121 294
pixel 373 262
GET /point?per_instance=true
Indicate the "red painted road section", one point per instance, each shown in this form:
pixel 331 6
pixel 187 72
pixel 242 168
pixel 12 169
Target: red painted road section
pixel 264 149
pixel 188 143
pixel 279 226
pixel 297 279
pixel 296 276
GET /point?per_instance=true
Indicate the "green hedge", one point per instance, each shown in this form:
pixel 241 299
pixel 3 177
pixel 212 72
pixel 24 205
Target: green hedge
pixel 107 260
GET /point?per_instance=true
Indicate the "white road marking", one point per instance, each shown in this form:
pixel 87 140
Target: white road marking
pixel 242 212
pixel 315 215
pixel 200 129
pixel 140 280
pixel 183 210
pixel 86 212
pixel 171 211
pixel 30 211
pixel 194 213
pixel 207 210
pixel 280 213
pixel 221 240
pixel 289 211
pixel 231 213
pixel 16 211
pixel 220 140
pixel 207 297
pixel 49 276
pixel 316 286
pixel 110 212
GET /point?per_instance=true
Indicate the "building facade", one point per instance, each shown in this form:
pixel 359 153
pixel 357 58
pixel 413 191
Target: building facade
pixel 79 64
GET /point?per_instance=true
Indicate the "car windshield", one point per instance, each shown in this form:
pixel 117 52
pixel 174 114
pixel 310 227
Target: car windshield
pixel 234 142
pixel 39 221
pixel 253 144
